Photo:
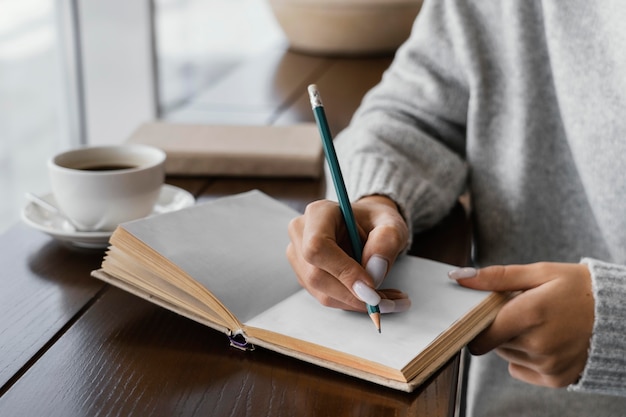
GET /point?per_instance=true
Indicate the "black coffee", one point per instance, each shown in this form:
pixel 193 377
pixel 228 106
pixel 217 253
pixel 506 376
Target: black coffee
pixel 107 167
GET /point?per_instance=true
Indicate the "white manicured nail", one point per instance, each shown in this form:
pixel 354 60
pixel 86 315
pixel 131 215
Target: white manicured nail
pixel 462 273
pixel 394 306
pixel 365 293
pixel 377 269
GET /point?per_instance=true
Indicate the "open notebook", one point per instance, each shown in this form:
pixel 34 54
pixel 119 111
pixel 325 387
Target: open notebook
pixel 223 264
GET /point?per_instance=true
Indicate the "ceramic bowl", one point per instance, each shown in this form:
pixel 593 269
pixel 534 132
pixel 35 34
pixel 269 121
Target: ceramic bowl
pixel 345 27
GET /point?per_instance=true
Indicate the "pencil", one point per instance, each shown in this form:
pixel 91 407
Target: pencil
pixel 340 187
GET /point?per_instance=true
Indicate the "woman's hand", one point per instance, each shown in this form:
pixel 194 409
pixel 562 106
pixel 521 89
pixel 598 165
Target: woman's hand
pixel 545 331
pixel 319 253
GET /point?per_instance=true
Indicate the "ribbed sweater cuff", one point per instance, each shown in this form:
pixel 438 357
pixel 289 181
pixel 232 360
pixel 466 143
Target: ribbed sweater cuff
pixel 605 371
pixel 376 175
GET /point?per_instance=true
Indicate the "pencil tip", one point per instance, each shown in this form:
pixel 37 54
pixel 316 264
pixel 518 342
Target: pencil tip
pixel 376 319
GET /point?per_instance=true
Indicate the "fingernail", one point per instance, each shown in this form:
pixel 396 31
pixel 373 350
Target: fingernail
pixel 377 268
pixel 394 306
pixel 462 273
pixel 365 293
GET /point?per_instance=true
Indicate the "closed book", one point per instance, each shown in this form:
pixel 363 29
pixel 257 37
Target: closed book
pixel 233 150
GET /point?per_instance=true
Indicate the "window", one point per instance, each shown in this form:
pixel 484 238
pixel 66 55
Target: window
pixel 35 118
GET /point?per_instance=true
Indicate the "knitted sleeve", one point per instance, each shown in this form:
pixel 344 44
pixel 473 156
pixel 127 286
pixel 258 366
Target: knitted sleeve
pixel 605 371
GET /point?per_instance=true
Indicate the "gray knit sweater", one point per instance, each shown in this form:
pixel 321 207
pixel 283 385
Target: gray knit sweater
pixel 523 102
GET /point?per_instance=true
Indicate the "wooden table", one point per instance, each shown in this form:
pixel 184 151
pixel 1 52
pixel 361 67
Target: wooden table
pixel 73 346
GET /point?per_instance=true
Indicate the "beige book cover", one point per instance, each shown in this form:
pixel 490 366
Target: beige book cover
pixel 233 150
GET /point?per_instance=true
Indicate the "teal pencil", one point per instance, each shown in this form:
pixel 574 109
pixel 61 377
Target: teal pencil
pixel 340 187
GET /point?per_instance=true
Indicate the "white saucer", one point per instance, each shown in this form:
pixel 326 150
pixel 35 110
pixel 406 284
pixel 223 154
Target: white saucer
pixel 171 198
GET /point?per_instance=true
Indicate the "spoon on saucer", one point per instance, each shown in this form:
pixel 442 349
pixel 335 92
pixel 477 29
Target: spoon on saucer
pixel 50 208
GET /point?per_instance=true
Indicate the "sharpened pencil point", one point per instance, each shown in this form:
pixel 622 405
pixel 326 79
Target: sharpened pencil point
pixel 374 313
pixel 376 319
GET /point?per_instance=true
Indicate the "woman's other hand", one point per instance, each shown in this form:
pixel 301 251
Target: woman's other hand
pixel 544 332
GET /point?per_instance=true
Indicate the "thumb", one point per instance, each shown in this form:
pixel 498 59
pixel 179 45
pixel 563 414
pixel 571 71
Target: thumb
pixel 499 278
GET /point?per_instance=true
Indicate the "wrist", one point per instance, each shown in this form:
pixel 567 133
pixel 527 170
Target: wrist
pixel 379 199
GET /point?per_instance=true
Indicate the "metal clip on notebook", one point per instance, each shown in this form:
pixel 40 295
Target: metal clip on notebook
pixel 238 340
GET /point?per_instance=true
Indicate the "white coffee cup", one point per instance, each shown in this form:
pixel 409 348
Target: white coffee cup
pixel 99 187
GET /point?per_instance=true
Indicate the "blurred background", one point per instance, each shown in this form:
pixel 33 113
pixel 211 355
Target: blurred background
pixel 87 71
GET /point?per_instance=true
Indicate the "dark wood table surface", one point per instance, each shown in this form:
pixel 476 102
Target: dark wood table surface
pixel 73 346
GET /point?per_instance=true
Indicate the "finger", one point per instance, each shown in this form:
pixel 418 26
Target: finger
pixel 392 294
pixel 511 355
pixel 349 302
pixel 329 292
pixel 514 318
pixel 505 277
pixel 541 364
pixel 324 287
pixel 557 363
pixel 525 374
pixel 320 239
pixel 319 261
pixel 320 248
pixel 387 238
pixel 536 378
pixel 394 306
pixel 393 301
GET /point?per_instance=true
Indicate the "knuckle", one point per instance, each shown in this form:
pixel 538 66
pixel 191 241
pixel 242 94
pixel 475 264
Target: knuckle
pixel 555 381
pixel 295 224
pixel 543 266
pixel 325 300
pixel 313 249
pixel 290 251
pixel 549 374
pixel 533 316
pixel 550 367
pixel 543 269
pixel 494 277
pixel 346 274
pixel 392 235
pixel 494 273
pixel 499 272
pixel 314 280
pixel 516 372
pixel 315 206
